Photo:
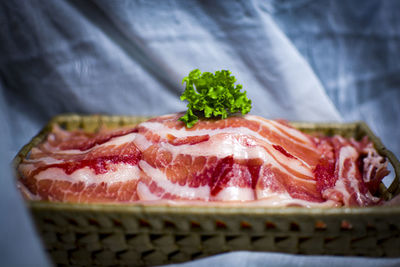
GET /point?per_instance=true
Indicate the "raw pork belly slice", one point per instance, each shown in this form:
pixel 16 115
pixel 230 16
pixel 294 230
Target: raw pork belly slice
pixel 239 159
pixel 79 167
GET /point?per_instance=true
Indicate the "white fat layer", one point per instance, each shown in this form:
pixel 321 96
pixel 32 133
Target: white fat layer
pixel 273 125
pixel 339 187
pixel 115 141
pixel 233 193
pixel 26 168
pixel 166 116
pixel 35 151
pixel 120 173
pixel 44 160
pixel 266 192
pixel 232 196
pixel 184 191
pixel 372 162
pixel 344 153
pixel 273 201
pixel 230 146
pixel 348 152
pixel 144 193
pixel 141 142
pixel 276 199
pixel 352 153
pixel 119 140
pixel 162 130
pixel 291 131
pixel 26 192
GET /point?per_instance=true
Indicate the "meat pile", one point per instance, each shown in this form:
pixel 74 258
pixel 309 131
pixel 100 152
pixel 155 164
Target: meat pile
pixel 241 159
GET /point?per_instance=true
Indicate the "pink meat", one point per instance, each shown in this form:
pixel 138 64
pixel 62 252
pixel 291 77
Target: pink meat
pixel 242 158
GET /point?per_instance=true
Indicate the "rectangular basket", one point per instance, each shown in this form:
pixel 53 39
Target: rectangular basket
pixel 131 234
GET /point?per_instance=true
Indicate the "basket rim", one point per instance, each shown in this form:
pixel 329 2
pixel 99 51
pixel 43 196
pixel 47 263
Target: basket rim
pixel 135 208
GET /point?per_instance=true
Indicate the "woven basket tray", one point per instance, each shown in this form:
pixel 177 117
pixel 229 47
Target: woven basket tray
pixel 111 234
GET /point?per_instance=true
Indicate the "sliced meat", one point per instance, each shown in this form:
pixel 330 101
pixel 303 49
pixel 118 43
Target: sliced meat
pixel 241 158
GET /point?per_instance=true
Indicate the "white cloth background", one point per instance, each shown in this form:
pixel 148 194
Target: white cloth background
pixel 298 60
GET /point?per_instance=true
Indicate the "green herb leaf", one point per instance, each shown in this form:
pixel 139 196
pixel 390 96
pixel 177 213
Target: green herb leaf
pixel 212 95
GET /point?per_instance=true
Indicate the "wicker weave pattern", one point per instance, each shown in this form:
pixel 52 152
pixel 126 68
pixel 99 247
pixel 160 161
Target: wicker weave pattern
pixel 114 236
pixel 131 235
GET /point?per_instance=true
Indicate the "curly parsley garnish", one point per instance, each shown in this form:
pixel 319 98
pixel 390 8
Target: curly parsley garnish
pixel 212 95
